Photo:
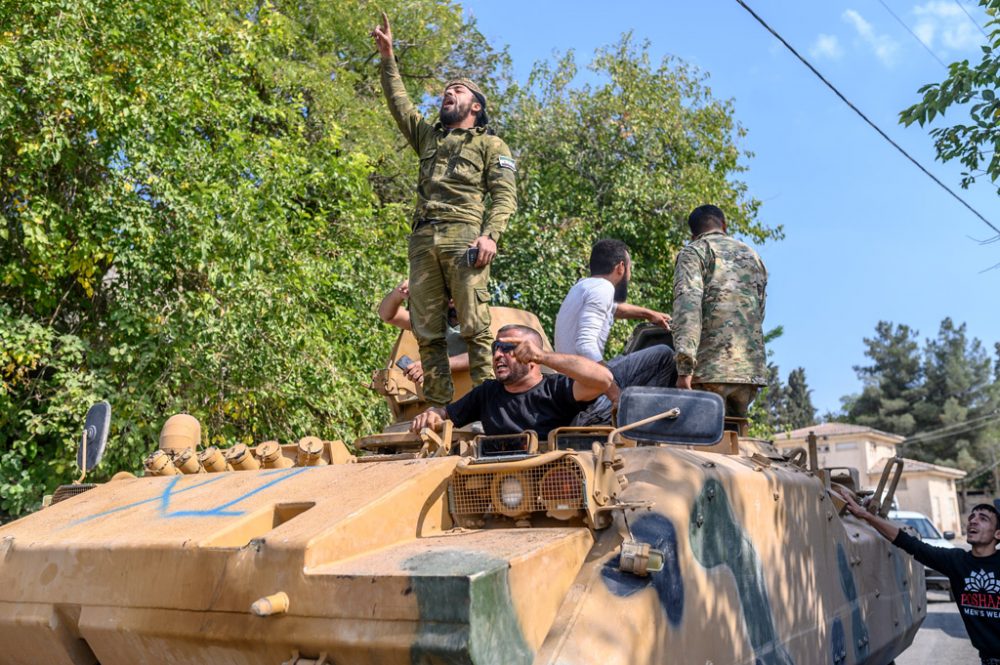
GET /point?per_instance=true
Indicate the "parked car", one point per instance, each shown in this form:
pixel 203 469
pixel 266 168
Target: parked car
pixel 921 525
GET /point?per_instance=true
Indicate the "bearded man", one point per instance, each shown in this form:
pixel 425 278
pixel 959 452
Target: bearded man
pixel 455 235
pixel 584 323
pixel 521 397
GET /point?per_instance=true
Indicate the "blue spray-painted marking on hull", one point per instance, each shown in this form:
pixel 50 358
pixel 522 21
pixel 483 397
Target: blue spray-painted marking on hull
pixel 838 643
pixel 661 534
pixel 859 629
pixel 222 509
pixel 897 562
pixel 164 498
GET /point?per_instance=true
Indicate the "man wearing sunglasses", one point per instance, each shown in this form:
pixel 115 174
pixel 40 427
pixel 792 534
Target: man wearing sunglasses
pixel 521 397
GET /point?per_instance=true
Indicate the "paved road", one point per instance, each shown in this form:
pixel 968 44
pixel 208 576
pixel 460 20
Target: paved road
pixel 941 638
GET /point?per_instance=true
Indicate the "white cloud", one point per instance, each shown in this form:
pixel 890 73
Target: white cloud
pixel 883 46
pixel 826 46
pixel 947 21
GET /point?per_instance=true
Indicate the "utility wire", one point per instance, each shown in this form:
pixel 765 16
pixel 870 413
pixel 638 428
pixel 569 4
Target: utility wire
pixel 946 430
pixel 864 117
pixel 965 429
pixel 981 471
pixel 974 21
pixel 913 34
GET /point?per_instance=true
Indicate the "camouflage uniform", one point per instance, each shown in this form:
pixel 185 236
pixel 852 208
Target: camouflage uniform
pixel 458 168
pixel 719 290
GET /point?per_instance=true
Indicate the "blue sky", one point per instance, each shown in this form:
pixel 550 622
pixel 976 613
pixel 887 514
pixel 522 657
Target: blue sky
pixel 868 237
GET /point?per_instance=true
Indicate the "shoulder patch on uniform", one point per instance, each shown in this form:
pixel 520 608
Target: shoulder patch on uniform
pixel 507 162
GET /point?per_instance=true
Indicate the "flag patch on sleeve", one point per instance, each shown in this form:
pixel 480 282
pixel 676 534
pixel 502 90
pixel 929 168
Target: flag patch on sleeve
pixel 507 163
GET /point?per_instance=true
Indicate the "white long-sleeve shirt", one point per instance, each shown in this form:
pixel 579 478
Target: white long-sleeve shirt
pixel 585 317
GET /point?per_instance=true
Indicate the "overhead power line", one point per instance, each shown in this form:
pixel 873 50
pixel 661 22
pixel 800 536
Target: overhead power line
pixel 947 430
pixel 913 34
pixel 974 21
pixel 981 471
pixel 962 428
pixel 865 118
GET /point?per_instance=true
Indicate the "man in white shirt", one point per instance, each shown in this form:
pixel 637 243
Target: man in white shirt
pixel 584 323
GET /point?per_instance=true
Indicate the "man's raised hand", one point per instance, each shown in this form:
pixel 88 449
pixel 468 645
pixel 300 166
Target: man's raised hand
pixel 526 351
pixel 383 37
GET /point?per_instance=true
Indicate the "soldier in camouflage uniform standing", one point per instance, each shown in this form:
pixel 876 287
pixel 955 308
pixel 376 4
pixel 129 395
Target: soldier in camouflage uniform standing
pixel 719 290
pixel 461 162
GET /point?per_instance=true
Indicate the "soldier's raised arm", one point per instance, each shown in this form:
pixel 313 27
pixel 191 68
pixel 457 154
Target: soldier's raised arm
pixel 408 119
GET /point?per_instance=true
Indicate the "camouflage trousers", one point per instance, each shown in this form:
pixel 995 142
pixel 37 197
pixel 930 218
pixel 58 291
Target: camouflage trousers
pixel 438 271
pixel 737 396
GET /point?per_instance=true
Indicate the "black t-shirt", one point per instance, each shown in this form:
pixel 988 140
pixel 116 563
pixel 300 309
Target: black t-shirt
pixel 548 405
pixel 975 581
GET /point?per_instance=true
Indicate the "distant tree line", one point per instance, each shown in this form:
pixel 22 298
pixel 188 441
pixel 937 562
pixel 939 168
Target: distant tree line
pixel 944 395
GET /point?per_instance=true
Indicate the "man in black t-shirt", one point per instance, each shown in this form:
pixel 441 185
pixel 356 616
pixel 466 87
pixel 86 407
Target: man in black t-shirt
pixel 974 575
pixel 521 398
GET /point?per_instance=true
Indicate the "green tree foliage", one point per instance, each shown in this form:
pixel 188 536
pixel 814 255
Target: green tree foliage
pixel 971 89
pixel 945 397
pixel 892 382
pixel 203 202
pixel 191 222
pixel 958 389
pixel 781 406
pixel 798 407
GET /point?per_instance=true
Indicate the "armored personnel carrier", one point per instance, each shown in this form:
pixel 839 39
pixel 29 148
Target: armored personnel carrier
pixel 669 539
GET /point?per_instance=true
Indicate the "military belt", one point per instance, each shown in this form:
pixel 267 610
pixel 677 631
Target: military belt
pixel 424 222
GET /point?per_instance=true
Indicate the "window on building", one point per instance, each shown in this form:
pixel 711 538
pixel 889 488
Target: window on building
pixel 847 445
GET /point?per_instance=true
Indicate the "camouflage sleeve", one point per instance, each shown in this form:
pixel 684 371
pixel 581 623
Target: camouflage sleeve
pixel 763 291
pixel 501 184
pixel 408 119
pixel 686 324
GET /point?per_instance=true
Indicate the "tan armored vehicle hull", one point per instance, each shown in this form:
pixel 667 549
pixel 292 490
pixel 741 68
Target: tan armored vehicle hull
pixel 165 570
pixel 420 557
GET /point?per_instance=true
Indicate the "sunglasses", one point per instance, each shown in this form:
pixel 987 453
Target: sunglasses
pixel 503 347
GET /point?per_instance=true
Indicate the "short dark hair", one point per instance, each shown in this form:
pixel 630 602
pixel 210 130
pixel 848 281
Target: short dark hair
pixel 989 508
pixel 706 218
pixel 606 254
pixel 526 330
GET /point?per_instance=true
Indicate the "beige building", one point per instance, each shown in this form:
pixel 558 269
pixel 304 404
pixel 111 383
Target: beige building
pixel 925 488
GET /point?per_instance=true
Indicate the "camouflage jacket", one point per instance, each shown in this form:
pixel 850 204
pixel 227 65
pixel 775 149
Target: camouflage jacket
pixel 719 290
pixel 458 167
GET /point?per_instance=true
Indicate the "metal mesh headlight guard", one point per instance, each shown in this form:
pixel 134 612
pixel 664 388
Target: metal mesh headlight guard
pixel 554 482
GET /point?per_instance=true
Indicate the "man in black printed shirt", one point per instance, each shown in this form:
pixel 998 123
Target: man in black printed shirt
pixel 974 575
pixel 521 397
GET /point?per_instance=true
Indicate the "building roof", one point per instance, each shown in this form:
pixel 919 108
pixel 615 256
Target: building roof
pixel 916 466
pixel 835 429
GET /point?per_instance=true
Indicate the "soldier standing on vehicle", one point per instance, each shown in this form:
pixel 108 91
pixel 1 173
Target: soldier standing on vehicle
pixel 974 575
pixel 718 317
pixel 454 236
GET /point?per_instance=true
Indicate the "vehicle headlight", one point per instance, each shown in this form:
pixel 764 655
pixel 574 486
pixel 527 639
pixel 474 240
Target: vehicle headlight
pixel 511 492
